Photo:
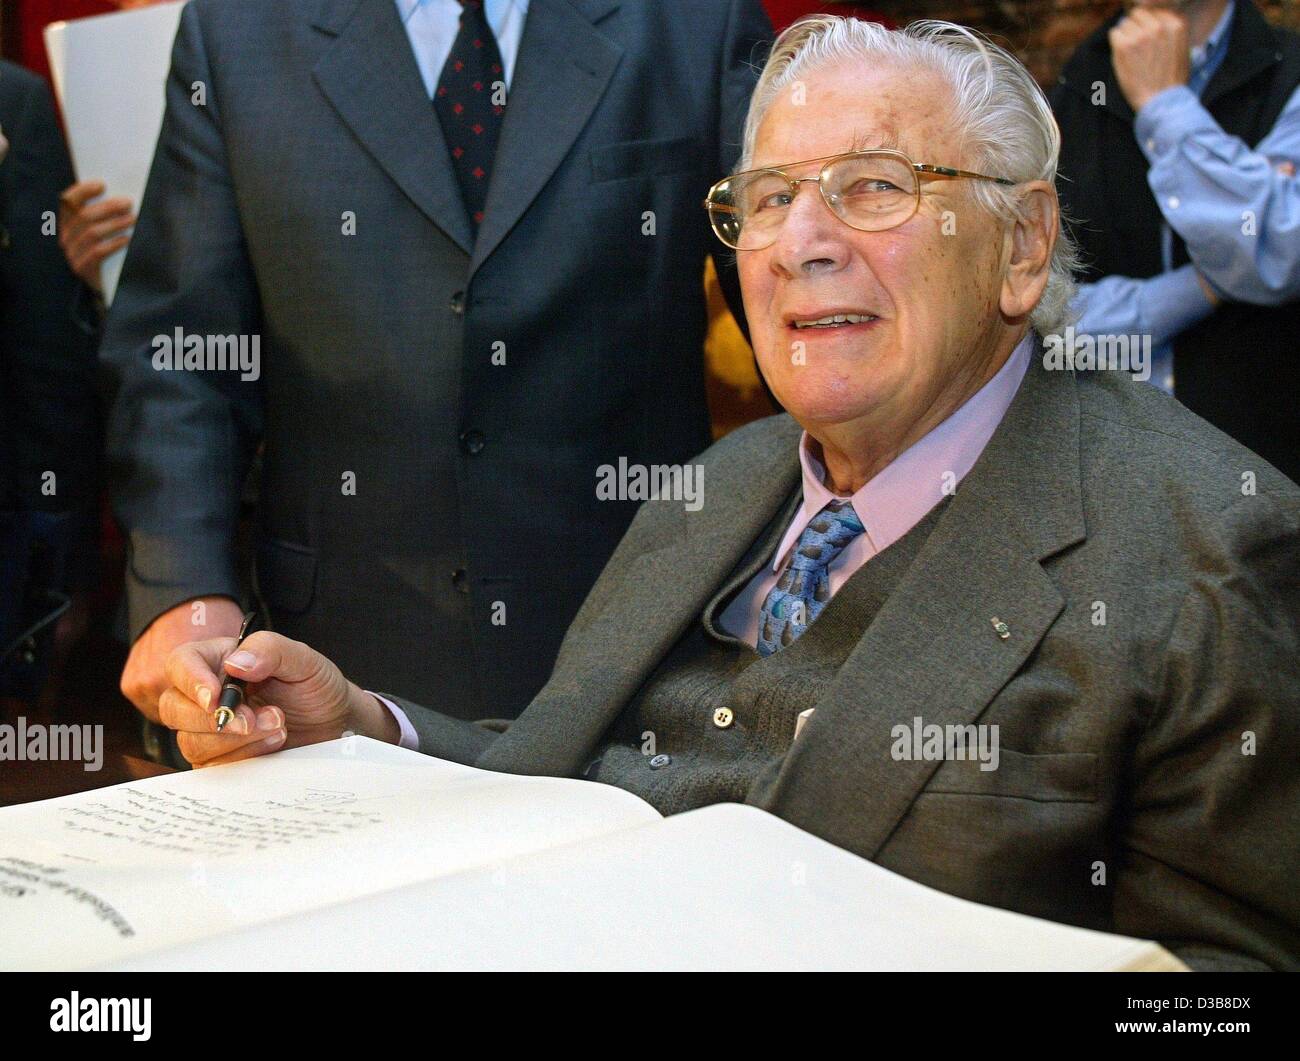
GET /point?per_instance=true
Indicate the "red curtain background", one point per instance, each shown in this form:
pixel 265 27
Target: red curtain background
pixel 32 16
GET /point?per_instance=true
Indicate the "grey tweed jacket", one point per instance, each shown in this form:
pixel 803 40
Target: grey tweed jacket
pixel 1146 691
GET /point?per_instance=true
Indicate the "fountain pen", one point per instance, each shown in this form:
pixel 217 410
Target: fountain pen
pixel 232 689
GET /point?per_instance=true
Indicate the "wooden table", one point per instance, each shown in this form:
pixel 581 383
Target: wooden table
pixel 23 782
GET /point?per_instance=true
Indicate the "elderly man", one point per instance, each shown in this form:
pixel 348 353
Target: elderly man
pixel 942 532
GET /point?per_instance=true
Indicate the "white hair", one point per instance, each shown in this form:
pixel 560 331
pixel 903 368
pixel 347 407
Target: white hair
pixel 1001 115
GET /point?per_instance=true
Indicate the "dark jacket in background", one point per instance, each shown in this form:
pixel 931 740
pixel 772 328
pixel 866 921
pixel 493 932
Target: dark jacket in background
pixel 48 430
pixel 474 530
pixel 1238 368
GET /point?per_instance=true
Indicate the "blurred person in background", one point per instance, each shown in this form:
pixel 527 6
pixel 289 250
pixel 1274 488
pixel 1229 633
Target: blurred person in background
pixel 49 439
pixel 1180 128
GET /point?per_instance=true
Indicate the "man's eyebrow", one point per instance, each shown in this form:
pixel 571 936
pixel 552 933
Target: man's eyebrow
pixel 887 138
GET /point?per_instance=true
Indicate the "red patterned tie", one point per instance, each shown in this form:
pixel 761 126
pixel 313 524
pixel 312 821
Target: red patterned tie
pixel 464 102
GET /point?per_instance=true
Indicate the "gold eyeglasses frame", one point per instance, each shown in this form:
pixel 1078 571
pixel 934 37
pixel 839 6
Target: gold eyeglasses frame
pixel 715 207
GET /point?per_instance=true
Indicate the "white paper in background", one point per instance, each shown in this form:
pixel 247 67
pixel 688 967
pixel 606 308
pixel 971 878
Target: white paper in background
pixel 110 73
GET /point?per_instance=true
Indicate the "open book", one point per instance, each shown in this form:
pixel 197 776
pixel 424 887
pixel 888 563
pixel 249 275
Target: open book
pixel 358 855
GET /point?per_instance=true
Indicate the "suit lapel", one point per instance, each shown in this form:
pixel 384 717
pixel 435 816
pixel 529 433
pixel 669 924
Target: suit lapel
pixel 370 77
pixel 563 67
pixel 659 595
pixel 933 651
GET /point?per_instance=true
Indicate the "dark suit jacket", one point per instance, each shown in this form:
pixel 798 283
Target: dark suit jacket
pixel 475 482
pixel 47 362
pixel 1147 568
pixel 49 437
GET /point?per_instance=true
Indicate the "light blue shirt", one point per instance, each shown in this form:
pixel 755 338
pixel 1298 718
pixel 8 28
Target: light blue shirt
pixel 1237 210
pixel 432 25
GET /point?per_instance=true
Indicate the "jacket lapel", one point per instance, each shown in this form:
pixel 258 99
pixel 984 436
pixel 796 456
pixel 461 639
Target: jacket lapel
pixel 933 651
pixel 657 598
pixel 563 67
pixel 370 77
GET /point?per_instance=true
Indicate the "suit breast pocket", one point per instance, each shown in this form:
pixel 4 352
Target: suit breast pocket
pixel 645 158
pixel 1055 777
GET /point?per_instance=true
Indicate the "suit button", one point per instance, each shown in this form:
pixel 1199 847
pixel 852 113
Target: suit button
pixel 723 717
pixel 460 579
pixel 472 442
pixel 458 303
pixel 660 761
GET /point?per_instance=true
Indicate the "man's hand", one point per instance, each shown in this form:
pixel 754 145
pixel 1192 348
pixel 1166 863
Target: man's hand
pixel 1149 48
pixel 145 677
pixel 293 696
pixel 90 232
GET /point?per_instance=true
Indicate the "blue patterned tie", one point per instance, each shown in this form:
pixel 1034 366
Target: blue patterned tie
pixel 804 587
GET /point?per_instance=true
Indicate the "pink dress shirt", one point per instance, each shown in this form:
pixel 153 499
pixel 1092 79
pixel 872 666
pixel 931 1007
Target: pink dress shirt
pixel 895 500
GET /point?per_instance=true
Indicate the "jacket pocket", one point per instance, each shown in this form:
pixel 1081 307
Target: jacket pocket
pixel 1055 777
pixel 645 158
pixel 286 574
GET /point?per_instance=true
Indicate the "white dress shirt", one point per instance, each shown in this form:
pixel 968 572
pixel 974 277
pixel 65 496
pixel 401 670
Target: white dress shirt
pixel 432 26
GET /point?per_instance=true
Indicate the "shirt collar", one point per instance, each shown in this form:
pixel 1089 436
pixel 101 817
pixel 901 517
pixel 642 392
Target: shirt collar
pixel 1202 53
pixel 491 8
pixel 900 494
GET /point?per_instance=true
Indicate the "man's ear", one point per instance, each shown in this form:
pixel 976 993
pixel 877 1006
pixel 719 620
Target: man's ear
pixel 1027 249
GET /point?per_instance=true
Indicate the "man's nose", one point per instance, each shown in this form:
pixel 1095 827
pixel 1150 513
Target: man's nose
pixel 812 239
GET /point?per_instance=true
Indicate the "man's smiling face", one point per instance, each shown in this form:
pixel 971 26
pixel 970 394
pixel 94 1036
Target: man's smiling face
pixel 932 284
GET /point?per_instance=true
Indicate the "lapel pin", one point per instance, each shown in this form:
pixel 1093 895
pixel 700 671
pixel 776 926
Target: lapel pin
pixel 1003 630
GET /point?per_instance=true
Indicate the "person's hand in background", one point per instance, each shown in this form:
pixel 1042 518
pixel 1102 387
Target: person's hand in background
pixel 292 696
pixel 144 678
pixel 90 231
pixel 1150 50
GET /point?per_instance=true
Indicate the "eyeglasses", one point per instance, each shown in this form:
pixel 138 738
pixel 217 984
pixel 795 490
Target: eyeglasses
pixel 867 190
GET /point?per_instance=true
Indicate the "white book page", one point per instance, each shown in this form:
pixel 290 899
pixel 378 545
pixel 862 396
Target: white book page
pixel 99 875
pixel 110 73
pixel 724 887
